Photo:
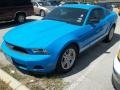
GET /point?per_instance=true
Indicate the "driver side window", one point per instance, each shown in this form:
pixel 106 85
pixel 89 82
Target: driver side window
pixel 95 16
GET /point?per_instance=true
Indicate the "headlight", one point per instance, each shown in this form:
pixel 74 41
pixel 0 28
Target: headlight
pixel 118 55
pixel 39 51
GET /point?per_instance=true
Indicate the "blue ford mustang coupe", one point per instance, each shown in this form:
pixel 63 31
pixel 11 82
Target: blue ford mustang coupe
pixel 53 43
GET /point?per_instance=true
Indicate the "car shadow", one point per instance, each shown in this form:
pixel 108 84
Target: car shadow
pixel 85 59
pixel 9 24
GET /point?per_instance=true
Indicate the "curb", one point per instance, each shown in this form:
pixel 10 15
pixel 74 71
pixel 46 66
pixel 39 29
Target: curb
pixel 13 83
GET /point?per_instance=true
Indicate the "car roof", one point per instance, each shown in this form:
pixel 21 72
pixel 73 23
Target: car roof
pixel 83 6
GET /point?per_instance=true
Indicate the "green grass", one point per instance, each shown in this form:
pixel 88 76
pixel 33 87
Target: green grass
pixel 53 82
pixel 4 86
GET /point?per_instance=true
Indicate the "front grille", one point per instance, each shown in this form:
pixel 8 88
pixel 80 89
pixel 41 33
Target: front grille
pixel 16 48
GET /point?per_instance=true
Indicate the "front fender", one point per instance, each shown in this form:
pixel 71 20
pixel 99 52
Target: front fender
pixel 60 44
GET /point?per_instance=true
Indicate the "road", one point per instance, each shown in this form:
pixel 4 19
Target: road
pixel 93 70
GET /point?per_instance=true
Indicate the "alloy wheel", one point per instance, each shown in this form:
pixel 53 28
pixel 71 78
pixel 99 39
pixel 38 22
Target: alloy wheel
pixel 68 58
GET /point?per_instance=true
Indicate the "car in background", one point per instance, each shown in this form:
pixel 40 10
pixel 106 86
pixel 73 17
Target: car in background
pixel 54 3
pixel 106 5
pixel 116 7
pixel 119 10
pixel 86 2
pixel 69 2
pixel 42 8
pixel 54 43
pixel 116 72
pixel 16 10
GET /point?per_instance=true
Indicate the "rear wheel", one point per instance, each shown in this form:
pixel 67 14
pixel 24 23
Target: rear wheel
pixel 42 13
pixel 67 59
pixel 20 18
pixel 110 35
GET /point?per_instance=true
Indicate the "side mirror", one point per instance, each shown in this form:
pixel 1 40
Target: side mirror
pixel 94 20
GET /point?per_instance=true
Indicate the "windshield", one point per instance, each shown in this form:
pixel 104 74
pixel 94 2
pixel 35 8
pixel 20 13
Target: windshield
pixel 69 15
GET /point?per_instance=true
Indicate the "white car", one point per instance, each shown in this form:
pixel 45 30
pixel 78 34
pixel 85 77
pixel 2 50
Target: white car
pixel 42 8
pixel 116 72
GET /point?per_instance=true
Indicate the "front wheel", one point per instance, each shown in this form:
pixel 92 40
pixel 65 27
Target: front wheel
pixel 67 59
pixel 110 35
pixel 20 18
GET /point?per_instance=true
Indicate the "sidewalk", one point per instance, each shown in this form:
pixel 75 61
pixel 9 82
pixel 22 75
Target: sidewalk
pixel 13 83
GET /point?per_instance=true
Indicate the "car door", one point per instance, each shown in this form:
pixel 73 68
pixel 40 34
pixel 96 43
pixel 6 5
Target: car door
pixel 2 10
pixel 1 14
pixel 102 25
pixel 10 11
pixel 98 23
pixel 95 27
pixel 36 8
pixel 5 10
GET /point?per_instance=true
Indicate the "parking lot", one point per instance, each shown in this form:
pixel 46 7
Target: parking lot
pixel 93 70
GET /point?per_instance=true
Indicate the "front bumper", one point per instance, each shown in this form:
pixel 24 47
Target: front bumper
pixel 33 63
pixel 116 74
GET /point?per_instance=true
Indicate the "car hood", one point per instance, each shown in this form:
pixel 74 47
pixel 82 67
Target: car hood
pixel 38 34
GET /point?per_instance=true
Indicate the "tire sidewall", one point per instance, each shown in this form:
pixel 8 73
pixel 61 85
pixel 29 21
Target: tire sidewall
pixel 111 30
pixel 42 11
pixel 107 38
pixel 59 68
pixel 18 18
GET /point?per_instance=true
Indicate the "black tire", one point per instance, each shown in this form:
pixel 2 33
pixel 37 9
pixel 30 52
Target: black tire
pixel 20 18
pixel 59 68
pixel 110 35
pixel 42 13
pixel 115 85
